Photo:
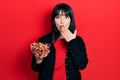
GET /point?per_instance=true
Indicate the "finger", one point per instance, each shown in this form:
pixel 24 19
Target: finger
pixel 65 31
pixel 48 51
pixel 62 29
pixel 42 56
pixel 63 34
pixel 36 55
pixel 45 55
pixel 75 32
pixel 68 32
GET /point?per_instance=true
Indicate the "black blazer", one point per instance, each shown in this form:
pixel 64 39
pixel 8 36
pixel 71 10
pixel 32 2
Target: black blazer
pixel 76 59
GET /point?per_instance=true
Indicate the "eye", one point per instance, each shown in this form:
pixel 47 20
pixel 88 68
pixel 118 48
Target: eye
pixel 57 17
pixel 67 16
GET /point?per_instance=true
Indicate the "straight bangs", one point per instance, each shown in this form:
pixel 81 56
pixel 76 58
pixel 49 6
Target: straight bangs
pixel 67 13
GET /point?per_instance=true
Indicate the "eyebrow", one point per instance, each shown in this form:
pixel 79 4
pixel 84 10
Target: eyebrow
pixel 61 14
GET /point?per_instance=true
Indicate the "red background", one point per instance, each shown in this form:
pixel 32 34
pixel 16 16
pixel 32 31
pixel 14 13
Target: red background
pixel 24 21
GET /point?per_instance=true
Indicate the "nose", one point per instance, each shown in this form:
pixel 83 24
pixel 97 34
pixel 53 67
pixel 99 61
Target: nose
pixel 61 20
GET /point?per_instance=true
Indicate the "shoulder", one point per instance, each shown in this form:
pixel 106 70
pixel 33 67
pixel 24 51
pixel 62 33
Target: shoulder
pixel 46 38
pixel 80 40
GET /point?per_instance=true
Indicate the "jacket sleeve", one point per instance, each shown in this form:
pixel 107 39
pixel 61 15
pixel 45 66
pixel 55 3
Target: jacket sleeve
pixel 78 50
pixel 34 65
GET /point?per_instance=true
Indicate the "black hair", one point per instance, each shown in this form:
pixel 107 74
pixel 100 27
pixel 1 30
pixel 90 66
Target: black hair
pixel 68 12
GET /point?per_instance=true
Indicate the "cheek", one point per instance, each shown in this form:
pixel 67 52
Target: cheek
pixel 67 24
pixel 57 24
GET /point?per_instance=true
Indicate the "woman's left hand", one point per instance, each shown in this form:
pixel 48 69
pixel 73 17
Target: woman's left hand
pixel 67 34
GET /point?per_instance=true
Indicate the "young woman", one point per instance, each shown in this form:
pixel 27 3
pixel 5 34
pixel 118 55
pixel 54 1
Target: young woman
pixel 67 53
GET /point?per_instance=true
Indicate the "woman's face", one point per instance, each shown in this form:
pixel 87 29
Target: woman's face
pixel 62 20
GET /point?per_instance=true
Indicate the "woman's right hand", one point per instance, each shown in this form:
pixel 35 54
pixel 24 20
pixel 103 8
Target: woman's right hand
pixel 40 51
